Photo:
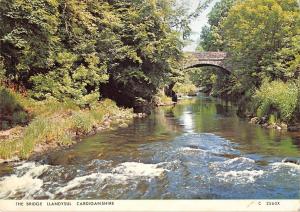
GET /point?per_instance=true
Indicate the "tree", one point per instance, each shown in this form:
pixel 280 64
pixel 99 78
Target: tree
pixel 262 39
pixel 256 31
pixel 70 48
pixel 211 37
pixel 27 35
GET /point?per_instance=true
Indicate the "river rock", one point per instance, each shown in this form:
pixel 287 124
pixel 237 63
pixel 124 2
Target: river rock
pixel 287 160
pixel 266 125
pixel 13 159
pixel 5 134
pixel 262 120
pixel 106 123
pixel 284 126
pixel 254 120
pixel 123 125
pixel 100 129
pixel 90 133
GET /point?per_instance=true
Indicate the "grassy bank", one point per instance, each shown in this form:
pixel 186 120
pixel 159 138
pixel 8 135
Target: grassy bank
pixel 30 126
pixel 275 104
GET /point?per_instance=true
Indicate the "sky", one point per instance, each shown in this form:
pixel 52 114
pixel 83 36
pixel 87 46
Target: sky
pixel 198 23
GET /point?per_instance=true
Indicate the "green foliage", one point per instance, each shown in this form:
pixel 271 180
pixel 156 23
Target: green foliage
pixel 277 97
pixel 12 111
pixel 45 130
pixel 2 71
pixel 201 76
pixel 8 149
pixel 255 31
pixel 220 11
pixel 151 49
pixel 212 81
pixel 67 49
pixel 57 123
pixel 262 39
pixel 82 122
pixel 165 99
pixel 186 86
pixel 272 119
pixel 27 34
pixel 212 38
pixel 185 89
pixel 8 102
pixel 206 40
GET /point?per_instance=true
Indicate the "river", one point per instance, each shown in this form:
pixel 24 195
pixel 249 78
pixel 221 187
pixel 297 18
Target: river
pixel 198 149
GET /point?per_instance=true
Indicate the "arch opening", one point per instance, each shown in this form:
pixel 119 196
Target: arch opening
pixel 223 69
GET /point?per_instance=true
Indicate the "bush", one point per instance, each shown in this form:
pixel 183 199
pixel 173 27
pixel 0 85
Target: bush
pixel 277 97
pixel 185 89
pixel 161 98
pixel 82 122
pixel 12 111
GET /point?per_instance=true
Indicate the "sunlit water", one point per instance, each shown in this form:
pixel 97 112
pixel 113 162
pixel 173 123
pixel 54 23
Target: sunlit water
pixel 198 149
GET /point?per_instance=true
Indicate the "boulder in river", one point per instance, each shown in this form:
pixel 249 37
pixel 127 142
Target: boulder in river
pixel 287 160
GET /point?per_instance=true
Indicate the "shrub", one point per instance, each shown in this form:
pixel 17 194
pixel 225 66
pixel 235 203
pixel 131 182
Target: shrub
pixel 161 98
pixel 277 97
pixel 12 111
pixel 82 122
pixel 185 88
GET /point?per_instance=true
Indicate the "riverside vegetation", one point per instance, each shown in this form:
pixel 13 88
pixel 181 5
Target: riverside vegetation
pixel 67 66
pixel 48 124
pixel 262 38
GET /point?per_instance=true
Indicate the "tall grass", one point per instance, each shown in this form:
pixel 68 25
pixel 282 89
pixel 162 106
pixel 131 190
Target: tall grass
pixel 82 122
pixel 9 148
pixel 278 99
pixel 55 123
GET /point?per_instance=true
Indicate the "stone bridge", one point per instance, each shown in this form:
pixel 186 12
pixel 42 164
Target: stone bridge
pixel 200 59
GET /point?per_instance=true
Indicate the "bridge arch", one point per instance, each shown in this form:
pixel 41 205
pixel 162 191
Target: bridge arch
pixel 212 59
pixel 222 68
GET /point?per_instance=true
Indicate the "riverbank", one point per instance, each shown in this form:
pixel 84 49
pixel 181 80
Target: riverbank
pixel 263 122
pixel 268 121
pixel 53 124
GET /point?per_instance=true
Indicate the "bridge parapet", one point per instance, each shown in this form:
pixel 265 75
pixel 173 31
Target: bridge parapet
pixel 199 59
pixel 210 55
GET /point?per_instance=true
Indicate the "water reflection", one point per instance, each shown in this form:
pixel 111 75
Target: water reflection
pixel 219 117
pixel 187 121
pixel 198 149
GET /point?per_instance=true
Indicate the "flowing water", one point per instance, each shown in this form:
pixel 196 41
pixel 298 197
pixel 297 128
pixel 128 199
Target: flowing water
pixel 198 149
